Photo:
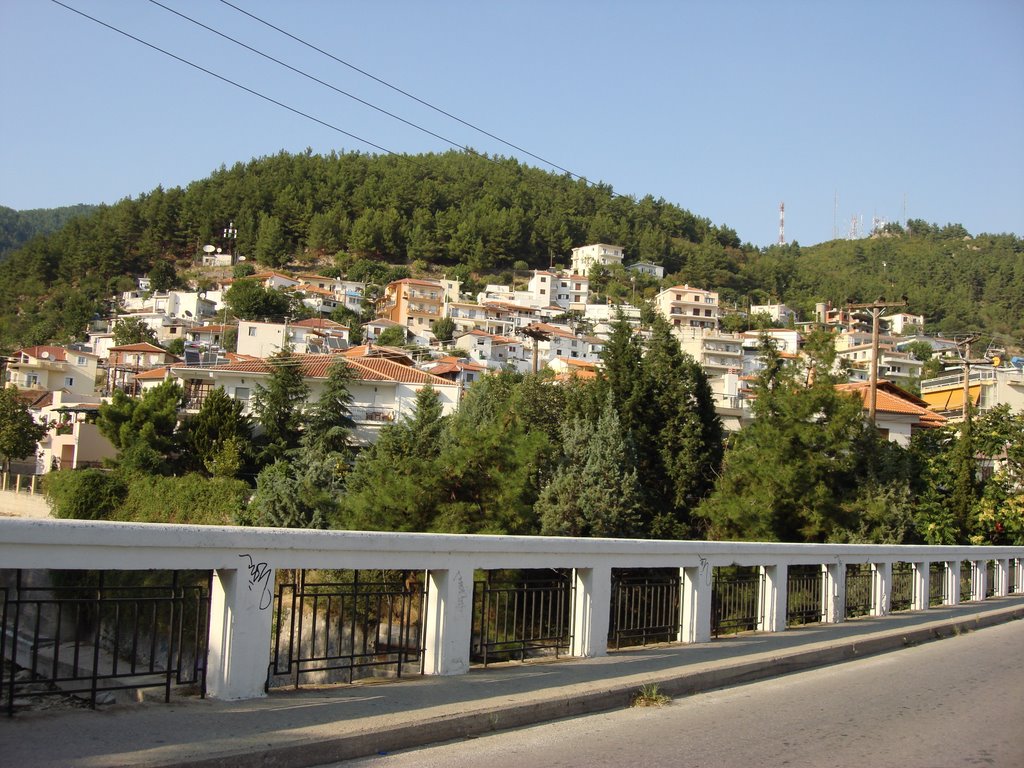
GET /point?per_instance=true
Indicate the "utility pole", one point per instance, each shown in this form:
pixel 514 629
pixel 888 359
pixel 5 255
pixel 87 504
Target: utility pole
pixel 538 335
pixel 876 308
pixel 963 350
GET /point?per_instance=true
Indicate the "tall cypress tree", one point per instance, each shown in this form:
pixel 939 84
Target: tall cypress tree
pixel 278 406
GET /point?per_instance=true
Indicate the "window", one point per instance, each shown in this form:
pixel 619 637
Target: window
pixel 242 393
pixel 81 360
pixel 69 381
pixel 31 380
pixel 252 330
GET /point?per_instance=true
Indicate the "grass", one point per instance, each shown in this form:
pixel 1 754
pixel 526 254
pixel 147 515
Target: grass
pixel 649 695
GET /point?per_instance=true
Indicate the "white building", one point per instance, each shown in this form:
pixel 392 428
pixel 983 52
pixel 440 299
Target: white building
pixel 647 268
pixel 383 391
pixel 493 351
pixel 685 306
pixel 779 313
pixel 587 257
pixel 258 339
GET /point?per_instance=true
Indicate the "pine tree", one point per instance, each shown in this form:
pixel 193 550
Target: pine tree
pixel 278 406
pixel 593 492
pixel 329 421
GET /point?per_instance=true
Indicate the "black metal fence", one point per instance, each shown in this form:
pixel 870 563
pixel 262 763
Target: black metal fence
pixel 966 580
pixel 645 608
pixel 736 600
pixel 859 580
pixel 341 626
pixel 990 579
pixel 804 603
pixel 89 633
pixel 902 598
pixel 522 614
pixel 936 584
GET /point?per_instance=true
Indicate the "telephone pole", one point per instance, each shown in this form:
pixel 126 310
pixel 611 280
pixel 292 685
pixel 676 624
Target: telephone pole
pixel 876 308
pixel 963 350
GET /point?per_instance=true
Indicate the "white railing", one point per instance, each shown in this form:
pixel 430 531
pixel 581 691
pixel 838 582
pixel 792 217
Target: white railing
pixel 244 561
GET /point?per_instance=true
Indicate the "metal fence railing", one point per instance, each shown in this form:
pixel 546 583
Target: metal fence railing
pixel 645 607
pixel 902 598
pixel 340 626
pixel 522 614
pixel 736 600
pixel 87 633
pixel 804 604
pixel 859 580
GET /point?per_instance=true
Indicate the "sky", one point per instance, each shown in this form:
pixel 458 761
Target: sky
pixel 844 112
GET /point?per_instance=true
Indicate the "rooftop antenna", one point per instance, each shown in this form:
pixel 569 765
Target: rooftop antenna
pixel 782 223
pixel 835 216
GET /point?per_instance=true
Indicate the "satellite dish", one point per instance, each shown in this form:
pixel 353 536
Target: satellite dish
pixel 218 250
pixel 44 355
pixel 188 313
pixel 241 258
pixel 208 249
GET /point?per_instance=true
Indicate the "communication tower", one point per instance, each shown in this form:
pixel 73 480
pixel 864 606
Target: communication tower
pixel 782 223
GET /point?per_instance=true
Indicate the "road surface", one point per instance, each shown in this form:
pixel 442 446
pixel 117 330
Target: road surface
pixel 954 702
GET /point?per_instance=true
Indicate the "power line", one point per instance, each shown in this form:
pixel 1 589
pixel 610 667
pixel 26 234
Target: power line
pixel 315 79
pixel 404 93
pixel 234 83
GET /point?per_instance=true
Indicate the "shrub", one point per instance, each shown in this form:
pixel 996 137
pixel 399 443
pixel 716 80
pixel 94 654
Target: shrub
pixel 84 494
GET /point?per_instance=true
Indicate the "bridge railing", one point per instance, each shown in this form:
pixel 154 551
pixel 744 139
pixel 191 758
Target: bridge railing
pixel 242 649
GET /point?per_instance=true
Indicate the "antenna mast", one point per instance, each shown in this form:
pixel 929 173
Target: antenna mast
pixel 782 223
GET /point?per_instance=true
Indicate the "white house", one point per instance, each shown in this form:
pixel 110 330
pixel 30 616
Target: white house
pixel 683 305
pixel 647 268
pixel 779 313
pixel 258 339
pixel 904 324
pixel 383 391
pixel 52 368
pixel 493 351
pixel 587 257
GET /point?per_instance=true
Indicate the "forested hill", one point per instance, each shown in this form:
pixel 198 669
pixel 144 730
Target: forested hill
pixel 486 214
pixel 18 227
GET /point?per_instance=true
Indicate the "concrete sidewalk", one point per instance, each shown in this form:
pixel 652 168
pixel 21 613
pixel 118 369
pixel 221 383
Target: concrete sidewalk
pixel 314 727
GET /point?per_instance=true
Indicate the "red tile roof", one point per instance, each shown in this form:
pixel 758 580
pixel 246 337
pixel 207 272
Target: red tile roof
pixel 892 399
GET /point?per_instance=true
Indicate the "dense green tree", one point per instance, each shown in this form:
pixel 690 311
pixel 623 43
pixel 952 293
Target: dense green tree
pixel 594 492
pixel 131 330
pixel 785 476
pixel 302 492
pixel 271 243
pixel 393 336
pixel 249 300
pixel 144 429
pixel 163 276
pixel 444 330
pixel 217 437
pixel 277 407
pixel 395 484
pixel 329 421
pixel 19 432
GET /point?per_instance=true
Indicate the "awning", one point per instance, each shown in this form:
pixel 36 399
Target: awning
pixel 951 399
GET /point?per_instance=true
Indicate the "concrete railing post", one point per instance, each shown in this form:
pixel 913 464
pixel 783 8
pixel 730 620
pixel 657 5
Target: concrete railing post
pixel 920 586
pixel 591 609
pixel 951 583
pixel 695 609
pixel 1017 575
pixel 979 579
pixel 448 625
pixel 241 610
pixel 774 596
pixel 881 588
pixel 833 592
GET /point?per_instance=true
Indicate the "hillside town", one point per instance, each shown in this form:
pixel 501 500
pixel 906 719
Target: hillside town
pixel 554 319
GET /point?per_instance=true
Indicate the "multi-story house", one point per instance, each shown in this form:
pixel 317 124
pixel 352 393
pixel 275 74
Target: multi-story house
pixel 415 304
pixel 855 347
pixel 898 414
pixel 73 441
pixel 52 368
pixel 904 324
pixel 553 341
pixel 647 268
pixel 313 334
pixel 493 351
pixel 684 306
pixel 125 361
pixel 987 387
pixel 717 352
pixel 587 257
pixel 383 391
pixel 455 369
pixel 779 313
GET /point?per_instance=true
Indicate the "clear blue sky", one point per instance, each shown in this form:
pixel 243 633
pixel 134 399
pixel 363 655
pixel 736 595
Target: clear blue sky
pixel 724 108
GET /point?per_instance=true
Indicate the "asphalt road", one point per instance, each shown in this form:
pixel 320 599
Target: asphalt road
pixel 954 702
